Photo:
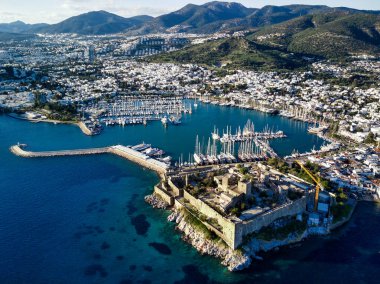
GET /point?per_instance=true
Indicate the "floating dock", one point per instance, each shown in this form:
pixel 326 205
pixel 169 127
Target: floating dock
pixel 120 150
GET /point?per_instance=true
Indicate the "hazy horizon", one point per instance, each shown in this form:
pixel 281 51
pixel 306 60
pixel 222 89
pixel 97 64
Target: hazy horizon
pixel 54 11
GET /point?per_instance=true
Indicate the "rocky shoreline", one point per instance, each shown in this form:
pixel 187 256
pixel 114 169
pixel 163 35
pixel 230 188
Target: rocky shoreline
pixel 155 201
pixel 234 260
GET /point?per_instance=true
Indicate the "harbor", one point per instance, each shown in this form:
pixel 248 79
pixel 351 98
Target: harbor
pixel 74 188
pixel 106 176
pixel 250 145
pixel 132 110
pixel 137 154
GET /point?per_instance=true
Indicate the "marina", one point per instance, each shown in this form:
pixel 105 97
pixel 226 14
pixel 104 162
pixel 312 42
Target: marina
pixel 248 133
pixel 80 183
pixel 106 184
pixel 254 146
pixel 131 110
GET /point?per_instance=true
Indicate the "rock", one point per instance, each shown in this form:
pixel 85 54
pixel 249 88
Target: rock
pixel 173 216
pixel 236 261
pixel 233 259
pixel 156 201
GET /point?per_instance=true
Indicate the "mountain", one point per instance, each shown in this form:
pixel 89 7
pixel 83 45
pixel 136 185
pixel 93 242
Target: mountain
pixel 19 27
pixel 234 53
pixel 94 23
pixel 208 18
pixel 193 17
pixel 229 16
pixel 335 34
pixel 270 15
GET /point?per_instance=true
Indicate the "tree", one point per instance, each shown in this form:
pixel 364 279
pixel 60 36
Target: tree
pixel 341 196
pixel 370 139
pixel 235 211
pixel 243 171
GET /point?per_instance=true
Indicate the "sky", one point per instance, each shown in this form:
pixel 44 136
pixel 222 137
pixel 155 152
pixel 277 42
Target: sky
pixel 53 11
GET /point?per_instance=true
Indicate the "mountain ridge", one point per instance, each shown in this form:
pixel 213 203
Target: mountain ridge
pixel 95 22
pixel 207 18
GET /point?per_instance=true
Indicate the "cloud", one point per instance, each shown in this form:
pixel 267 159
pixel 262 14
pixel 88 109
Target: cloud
pixel 7 17
pixel 122 8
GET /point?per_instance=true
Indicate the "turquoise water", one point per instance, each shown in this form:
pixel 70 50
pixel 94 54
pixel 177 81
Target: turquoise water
pixel 83 219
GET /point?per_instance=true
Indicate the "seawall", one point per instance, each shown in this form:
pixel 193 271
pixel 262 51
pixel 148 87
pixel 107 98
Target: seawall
pixel 119 150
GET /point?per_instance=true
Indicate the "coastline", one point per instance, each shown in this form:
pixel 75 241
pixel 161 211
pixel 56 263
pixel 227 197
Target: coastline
pixel 80 124
pixel 239 259
pixel 340 223
pixel 234 260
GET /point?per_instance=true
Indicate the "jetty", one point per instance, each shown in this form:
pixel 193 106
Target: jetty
pixel 119 150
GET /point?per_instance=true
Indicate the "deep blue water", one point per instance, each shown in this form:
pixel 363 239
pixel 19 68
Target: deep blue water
pixel 83 219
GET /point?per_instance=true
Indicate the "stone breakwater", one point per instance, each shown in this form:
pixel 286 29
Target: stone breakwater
pixel 234 259
pixel 155 201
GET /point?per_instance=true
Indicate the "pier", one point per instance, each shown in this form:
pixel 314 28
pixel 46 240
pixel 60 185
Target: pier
pixel 119 150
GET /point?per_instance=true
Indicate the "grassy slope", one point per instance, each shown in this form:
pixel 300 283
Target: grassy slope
pixel 343 36
pixel 280 47
pixel 234 53
pixel 331 35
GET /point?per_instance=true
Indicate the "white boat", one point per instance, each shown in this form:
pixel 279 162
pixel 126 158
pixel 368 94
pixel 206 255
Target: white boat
pixel 215 134
pixel 141 147
pixel 167 159
pixel 164 121
pixel 175 120
pixel 197 159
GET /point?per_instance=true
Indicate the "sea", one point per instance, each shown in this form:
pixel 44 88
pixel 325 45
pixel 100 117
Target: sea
pixel 83 219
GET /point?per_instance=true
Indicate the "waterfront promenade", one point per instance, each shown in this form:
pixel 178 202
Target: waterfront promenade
pixel 119 150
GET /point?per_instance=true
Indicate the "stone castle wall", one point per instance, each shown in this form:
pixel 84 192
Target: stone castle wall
pixel 247 227
pixel 233 233
pixel 202 207
pixel 164 195
pixel 175 189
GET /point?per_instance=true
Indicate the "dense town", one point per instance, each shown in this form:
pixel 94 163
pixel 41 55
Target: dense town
pixel 108 80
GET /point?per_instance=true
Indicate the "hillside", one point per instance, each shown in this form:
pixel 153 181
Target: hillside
pixel 94 23
pixel 216 17
pixel 234 53
pixel 19 27
pixel 193 17
pixel 228 16
pixel 334 35
pixel 330 35
pixel 269 15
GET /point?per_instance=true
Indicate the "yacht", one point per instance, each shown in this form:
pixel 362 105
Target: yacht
pixel 164 121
